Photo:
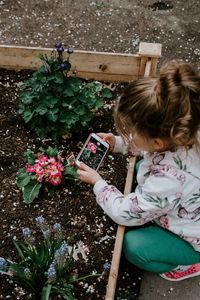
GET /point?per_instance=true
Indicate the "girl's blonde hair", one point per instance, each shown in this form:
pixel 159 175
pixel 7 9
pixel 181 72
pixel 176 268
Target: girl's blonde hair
pixel 164 107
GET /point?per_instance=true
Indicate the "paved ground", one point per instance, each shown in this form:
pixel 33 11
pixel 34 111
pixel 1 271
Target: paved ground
pixel 156 288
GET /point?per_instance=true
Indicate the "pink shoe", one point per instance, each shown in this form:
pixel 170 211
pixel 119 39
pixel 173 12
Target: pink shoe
pixel 182 272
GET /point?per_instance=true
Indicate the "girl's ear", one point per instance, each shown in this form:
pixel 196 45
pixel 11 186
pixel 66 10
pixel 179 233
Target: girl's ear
pixel 159 144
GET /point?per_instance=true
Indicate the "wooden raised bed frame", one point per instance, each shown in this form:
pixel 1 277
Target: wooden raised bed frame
pixel 102 66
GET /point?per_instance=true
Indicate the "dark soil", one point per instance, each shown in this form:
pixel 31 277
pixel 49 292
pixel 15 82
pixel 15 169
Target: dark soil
pixel 100 25
pixel 73 206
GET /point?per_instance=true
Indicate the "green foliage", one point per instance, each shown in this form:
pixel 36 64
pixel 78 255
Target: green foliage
pixel 47 168
pixel 54 102
pixel 45 266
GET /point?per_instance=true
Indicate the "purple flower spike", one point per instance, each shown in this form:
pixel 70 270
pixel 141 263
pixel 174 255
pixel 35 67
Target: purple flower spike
pixel 60 49
pixel 3 264
pixel 63 67
pixel 57 227
pixel 70 50
pixel 106 266
pixel 58 45
pixel 26 232
pixel 40 220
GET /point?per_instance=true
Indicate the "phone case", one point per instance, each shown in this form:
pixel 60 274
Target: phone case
pixel 93 151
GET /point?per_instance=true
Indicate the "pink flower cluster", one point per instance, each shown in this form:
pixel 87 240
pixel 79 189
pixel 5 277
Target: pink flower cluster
pixel 92 147
pixel 47 170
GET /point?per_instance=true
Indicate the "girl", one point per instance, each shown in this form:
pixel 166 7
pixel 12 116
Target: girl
pixel 160 117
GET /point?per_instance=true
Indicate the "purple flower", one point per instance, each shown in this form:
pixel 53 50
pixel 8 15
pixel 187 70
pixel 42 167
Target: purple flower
pixel 51 273
pixel 61 252
pixel 26 232
pixel 64 248
pixel 63 66
pixel 46 233
pixel 40 220
pixel 46 71
pixel 106 266
pixel 58 45
pixel 70 50
pixel 57 227
pixel 60 49
pixel 3 264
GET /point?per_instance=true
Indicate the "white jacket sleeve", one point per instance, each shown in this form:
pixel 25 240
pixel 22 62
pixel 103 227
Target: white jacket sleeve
pixel 153 199
pixel 120 146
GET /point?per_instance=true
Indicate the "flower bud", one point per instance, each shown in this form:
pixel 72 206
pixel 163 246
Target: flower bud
pixel 70 50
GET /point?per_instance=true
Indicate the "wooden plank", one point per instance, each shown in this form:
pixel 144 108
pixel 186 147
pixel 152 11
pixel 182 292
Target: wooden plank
pixel 103 66
pixel 150 49
pixel 149 52
pixel 112 280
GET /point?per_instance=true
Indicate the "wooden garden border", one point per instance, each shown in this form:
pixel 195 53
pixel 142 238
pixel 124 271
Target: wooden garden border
pixel 102 66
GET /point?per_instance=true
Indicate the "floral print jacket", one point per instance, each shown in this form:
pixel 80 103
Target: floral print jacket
pixel 168 193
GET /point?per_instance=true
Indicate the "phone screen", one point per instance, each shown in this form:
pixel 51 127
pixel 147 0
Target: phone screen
pixel 93 153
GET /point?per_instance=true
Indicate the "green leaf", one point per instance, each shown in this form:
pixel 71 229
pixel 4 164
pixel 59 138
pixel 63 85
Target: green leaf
pixel 42 110
pixel 26 98
pixel 28 115
pixel 81 110
pixel 106 93
pixel 17 245
pixel 68 92
pixel 31 191
pixel 59 79
pixel 70 173
pixel 46 291
pixel 30 157
pixel 52 114
pixel 23 180
pixel 52 152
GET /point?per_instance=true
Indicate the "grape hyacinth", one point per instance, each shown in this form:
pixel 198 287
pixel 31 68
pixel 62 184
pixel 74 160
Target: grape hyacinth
pixel 59 47
pixel 106 266
pixel 44 227
pixel 27 272
pixel 51 273
pixel 40 220
pixel 3 264
pixel 57 227
pixel 26 232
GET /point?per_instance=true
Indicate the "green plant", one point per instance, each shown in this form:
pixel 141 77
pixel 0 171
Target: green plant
pixel 45 267
pixel 47 168
pixel 54 102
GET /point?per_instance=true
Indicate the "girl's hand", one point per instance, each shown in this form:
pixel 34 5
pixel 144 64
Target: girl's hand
pixel 87 174
pixel 109 138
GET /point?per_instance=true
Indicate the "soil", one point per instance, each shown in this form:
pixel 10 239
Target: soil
pixel 73 206
pixel 110 26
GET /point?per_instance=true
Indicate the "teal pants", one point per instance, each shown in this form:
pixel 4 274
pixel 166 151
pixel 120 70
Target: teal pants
pixel 155 249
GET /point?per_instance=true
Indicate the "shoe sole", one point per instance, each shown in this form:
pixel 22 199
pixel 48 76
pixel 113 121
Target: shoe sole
pixel 181 278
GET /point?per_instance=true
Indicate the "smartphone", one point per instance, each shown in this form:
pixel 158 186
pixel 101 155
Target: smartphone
pixel 93 151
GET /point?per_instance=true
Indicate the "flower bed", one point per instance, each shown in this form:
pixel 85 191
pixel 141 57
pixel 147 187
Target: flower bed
pixel 73 203
pixel 72 206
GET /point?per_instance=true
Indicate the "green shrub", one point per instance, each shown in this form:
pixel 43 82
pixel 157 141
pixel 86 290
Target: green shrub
pixel 55 103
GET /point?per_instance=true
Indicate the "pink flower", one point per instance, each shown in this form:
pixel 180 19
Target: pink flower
pixel 92 147
pixel 40 178
pixel 43 160
pixel 52 160
pixel 56 179
pixel 39 169
pixel 60 167
pixel 30 169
